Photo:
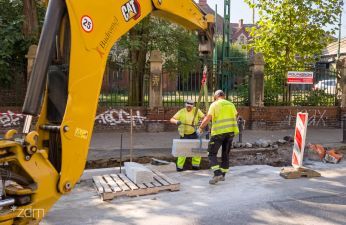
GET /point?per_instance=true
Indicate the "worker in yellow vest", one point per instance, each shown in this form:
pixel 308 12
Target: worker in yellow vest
pixel 184 119
pixel 223 115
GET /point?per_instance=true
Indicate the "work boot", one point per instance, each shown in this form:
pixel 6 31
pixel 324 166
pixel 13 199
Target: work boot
pixel 216 179
pixel 223 177
pixel 180 169
pixel 195 168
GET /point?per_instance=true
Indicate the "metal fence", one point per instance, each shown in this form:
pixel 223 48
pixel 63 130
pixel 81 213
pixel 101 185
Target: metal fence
pixel 232 77
pixel 116 86
pixel 323 91
pixel 12 93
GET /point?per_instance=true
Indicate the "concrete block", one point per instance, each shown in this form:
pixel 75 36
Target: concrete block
pixel 190 148
pixel 248 145
pixel 138 173
pixel 163 168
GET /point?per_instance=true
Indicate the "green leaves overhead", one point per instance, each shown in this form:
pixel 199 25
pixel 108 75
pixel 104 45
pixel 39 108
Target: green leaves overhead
pixel 14 44
pixel 178 45
pixel 292 32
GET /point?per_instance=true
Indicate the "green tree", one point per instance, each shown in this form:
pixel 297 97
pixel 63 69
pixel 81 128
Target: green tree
pixel 291 32
pixel 178 46
pixel 16 36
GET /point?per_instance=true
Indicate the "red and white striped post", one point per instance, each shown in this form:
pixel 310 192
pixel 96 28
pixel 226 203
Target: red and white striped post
pixel 299 139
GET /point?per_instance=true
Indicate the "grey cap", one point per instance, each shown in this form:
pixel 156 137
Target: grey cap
pixel 189 102
pixel 219 93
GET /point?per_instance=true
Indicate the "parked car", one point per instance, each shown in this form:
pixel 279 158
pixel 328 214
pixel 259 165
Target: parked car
pixel 328 86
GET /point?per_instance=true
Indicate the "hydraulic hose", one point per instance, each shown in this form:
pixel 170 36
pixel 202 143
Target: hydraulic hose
pixel 34 94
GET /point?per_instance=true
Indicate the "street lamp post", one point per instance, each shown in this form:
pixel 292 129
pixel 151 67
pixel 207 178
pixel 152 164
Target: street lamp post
pixel 341 3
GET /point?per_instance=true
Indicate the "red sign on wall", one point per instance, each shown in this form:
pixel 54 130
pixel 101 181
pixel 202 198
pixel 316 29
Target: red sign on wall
pixel 298 77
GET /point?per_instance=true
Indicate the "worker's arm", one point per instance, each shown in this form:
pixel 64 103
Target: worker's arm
pixel 176 118
pixel 205 121
pixel 175 121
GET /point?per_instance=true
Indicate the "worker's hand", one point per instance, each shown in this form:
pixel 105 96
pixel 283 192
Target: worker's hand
pixel 178 123
pixel 199 131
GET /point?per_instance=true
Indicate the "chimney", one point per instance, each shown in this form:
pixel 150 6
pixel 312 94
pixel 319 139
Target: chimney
pixel 202 2
pixel 241 24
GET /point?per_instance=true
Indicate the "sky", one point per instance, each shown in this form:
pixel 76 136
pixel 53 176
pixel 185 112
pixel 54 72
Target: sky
pixel 240 10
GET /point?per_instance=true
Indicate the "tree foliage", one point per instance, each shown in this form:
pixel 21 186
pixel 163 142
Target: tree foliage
pixel 14 43
pixel 178 46
pixel 291 32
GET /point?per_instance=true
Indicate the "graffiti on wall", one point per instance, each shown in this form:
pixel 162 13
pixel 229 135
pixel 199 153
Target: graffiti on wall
pixel 113 117
pixel 316 118
pixel 9 119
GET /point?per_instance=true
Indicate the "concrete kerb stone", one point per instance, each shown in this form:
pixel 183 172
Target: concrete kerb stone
pixel 190 148
pixel 138 173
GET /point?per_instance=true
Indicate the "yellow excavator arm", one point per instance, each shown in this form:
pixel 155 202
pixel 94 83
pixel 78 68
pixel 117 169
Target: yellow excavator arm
pixel 76 38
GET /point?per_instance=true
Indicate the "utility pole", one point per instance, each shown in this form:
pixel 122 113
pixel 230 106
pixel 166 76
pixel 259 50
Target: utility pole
pixel 215 53
pixel 226 34
pixel 226 30
pixel 253 13
pixel 341 3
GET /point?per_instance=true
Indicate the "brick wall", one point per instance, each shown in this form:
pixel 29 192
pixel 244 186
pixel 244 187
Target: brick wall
pixel 285 117
pixel 157 119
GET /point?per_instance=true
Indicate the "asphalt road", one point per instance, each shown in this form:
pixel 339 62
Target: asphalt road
pixel 250 195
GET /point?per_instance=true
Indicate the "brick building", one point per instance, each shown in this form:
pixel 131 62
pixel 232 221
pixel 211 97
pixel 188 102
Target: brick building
pixel 239 33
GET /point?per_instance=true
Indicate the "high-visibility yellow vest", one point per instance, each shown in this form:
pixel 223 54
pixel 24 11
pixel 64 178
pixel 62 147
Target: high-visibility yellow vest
pixel 186 118
pixel 224 117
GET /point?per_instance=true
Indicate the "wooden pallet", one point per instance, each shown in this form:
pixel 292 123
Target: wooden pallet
pixel 115 185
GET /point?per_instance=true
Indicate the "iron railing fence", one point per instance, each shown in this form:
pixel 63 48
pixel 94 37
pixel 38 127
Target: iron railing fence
pixel 323 91
pixel 116 86
pixel 13 87
pixel 231 77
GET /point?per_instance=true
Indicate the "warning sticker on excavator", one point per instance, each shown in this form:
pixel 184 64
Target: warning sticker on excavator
pixel 80 133
pixel 87 24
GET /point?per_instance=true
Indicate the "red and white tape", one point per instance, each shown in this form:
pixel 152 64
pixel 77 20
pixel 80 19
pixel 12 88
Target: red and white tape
pixel 9 113
pixel 299 139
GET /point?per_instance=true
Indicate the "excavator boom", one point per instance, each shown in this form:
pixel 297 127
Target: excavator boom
pixel 64 87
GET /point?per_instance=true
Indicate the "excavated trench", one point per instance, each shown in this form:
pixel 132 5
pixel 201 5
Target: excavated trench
pixel 277 157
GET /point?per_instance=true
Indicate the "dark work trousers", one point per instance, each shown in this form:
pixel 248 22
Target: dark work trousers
pixel 224 140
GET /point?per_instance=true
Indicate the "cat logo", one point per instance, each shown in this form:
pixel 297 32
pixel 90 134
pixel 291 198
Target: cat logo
pixel 130 10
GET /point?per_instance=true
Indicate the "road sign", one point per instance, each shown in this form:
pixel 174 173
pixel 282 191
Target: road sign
pixel 299 139
pixel 298 77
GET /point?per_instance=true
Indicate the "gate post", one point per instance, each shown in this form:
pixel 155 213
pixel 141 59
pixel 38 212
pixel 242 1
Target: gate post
pixel 256 81
pixel 31 56
pixel 155 79
pixel 341 66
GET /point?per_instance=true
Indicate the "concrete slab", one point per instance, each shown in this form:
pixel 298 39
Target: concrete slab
pixel 190 148
pixel 138 173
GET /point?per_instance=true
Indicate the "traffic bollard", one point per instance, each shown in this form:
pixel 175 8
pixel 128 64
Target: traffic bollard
pixel 241 124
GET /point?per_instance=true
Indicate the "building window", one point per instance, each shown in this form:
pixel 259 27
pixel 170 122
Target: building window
pixel 242 39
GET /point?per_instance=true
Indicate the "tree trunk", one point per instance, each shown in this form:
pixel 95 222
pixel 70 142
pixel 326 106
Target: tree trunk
pixel 30 25
pixel 138 60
